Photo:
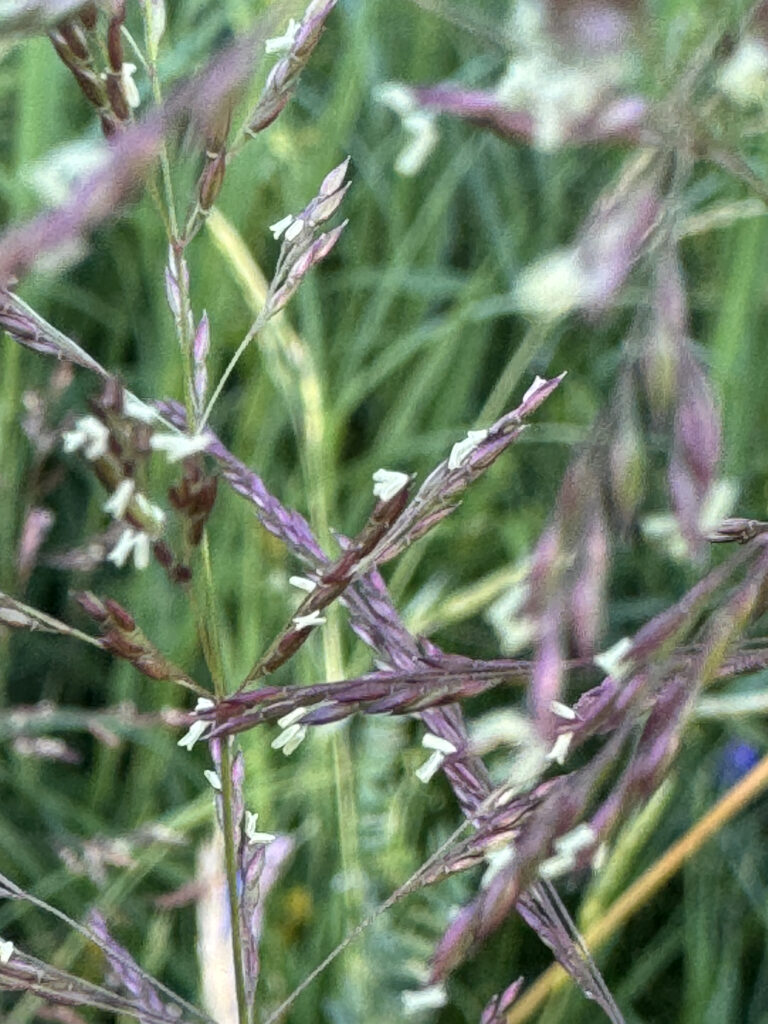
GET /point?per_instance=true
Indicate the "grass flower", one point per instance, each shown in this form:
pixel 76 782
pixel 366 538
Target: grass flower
pixel 427 771
pixel 309 621
pixel 418 124
pixel 198 728
pixel 131 542
pixel 614 661
pixel 302 583
pixel 560 748
pixel 129 86
pixel 290 738
pixel 387 483
pixel 251 834
pixel 179 446
pixel 283 43
pixel 562 710
pixel 416 1001
pixel 539 787
pixel 439 743
pixel 744 76
pixel 90 435
pixel 118 503
pixel 463 449
pixel 279 228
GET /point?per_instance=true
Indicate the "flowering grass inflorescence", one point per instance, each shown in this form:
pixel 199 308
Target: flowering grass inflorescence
pixel 600 731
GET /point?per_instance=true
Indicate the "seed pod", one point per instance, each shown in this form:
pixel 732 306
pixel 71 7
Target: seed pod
pixel 88 15
pixel 75 39
pixel 116 96
pixel 211 181
pixel 90 86
pixel 115 37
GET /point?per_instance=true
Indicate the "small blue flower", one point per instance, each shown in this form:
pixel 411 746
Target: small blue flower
pixel 736 759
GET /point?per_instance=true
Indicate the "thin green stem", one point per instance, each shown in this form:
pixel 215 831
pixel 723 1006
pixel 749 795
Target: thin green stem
pixel 244 1015
pixel 10 460
pixel 319 464
pixel 205 602
pixel 254 329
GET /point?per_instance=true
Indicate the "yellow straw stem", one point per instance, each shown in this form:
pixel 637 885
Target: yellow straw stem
pixel 648 884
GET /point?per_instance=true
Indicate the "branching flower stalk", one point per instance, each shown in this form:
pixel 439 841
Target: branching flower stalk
pixel 546 818
pixel 299 252
pixel 205 606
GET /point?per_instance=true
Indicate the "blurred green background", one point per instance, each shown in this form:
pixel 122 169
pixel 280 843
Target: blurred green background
pixel 407 330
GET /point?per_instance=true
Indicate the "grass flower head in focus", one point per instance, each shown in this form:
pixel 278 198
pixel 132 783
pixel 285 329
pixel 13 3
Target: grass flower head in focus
pixel 384 656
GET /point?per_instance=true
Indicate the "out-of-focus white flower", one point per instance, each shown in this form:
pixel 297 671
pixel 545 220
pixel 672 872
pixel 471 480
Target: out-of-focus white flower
pixel 553 286
pixel 562 710
pixel 425 772
pixel 432 742
pixel 419 125
pixel 515 736
pixel 119 554
pixel 6 950
pixel 134 542
pixel 513 629
pixel 663 529
pixel 576 840
pixel 497 860
pixel 308 621
pixel 117 504
pixel 718 504
pixel 58 173
pixel 396 96
pixel 179 446
pixel 463 449
pixel 283 43
pixel 558 95
pixel 560 748
pixel 600 858
pixel 89 434
pixel 153 512
pixel 501 728
pixel 613 661
pixel 141 550
pixel 135 409
pixel 421 999
pixel 744 76
pixel 213 779
pixel 556 865
pixel 529 22
pixel 387 483
pixel 127 71
pixel 567 848
pixel 424 137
